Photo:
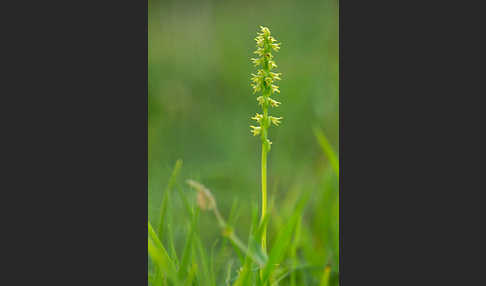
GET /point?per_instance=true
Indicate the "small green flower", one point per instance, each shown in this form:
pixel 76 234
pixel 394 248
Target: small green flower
pixel 255 130
pixel 274 103
pixel 261 100
pixel 275 76
pixel 257 62
pixel 275 120
pixel 275 89
pixel 258 117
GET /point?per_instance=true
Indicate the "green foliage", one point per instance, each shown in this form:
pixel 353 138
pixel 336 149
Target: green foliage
pixel 327 149
pixel 199 267
pixel 282 242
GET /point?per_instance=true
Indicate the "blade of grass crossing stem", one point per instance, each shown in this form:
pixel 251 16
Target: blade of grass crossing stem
pixel 327 149
pixel 244 273
pixel 283 240
pixel 252 252
pixel 254 247
pixel 166 197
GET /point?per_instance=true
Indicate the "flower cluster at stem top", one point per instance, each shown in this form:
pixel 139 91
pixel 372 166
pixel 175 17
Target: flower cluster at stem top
pixel 264 81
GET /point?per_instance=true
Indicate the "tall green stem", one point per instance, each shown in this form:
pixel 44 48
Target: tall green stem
pixel 265 148
pixel 264 195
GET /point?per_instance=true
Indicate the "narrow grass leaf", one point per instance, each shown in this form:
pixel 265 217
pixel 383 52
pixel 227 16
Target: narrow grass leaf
pixel 189 245
pixel 228 273
pixel 158 253
pixel 191 275
pixel 184 199
pixel 166 197
pixel 254 252
pixel 243 277
pixel 206 278
pixel 293 251
pixel 172 248
pixel 283 240
pixel 212 271
pixel 234 214
pixel 327 149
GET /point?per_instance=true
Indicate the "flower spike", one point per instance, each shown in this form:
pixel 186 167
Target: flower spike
pixel 264 81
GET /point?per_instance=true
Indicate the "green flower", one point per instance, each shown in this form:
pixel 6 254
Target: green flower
pixel 275 120
pixel 255 130
pixel 274 103
pixel 258 117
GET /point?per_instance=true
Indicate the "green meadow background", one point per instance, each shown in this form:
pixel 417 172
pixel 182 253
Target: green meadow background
pixel 200 104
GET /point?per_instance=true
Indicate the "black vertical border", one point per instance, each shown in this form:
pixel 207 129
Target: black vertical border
pixel 78 135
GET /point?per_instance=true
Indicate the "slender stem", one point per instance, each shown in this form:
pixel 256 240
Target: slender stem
pixel 264 195
pixel 265 147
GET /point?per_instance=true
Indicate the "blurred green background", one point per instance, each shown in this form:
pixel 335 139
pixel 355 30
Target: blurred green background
pixel 200 104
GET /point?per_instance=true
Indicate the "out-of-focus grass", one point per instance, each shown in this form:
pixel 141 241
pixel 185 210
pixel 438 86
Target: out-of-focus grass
pixel 295 256
pixel 200 104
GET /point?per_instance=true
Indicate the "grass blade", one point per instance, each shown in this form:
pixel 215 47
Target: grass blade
pixel 234 213
pixel 204 269
pixel 228 273
pixel 293 253
pixel 166 197
pixel 172 248
pixel 327 149
pixel 189 245
pixel 244 274
pixel 283 240
pixel 191 275
pixel 158 254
